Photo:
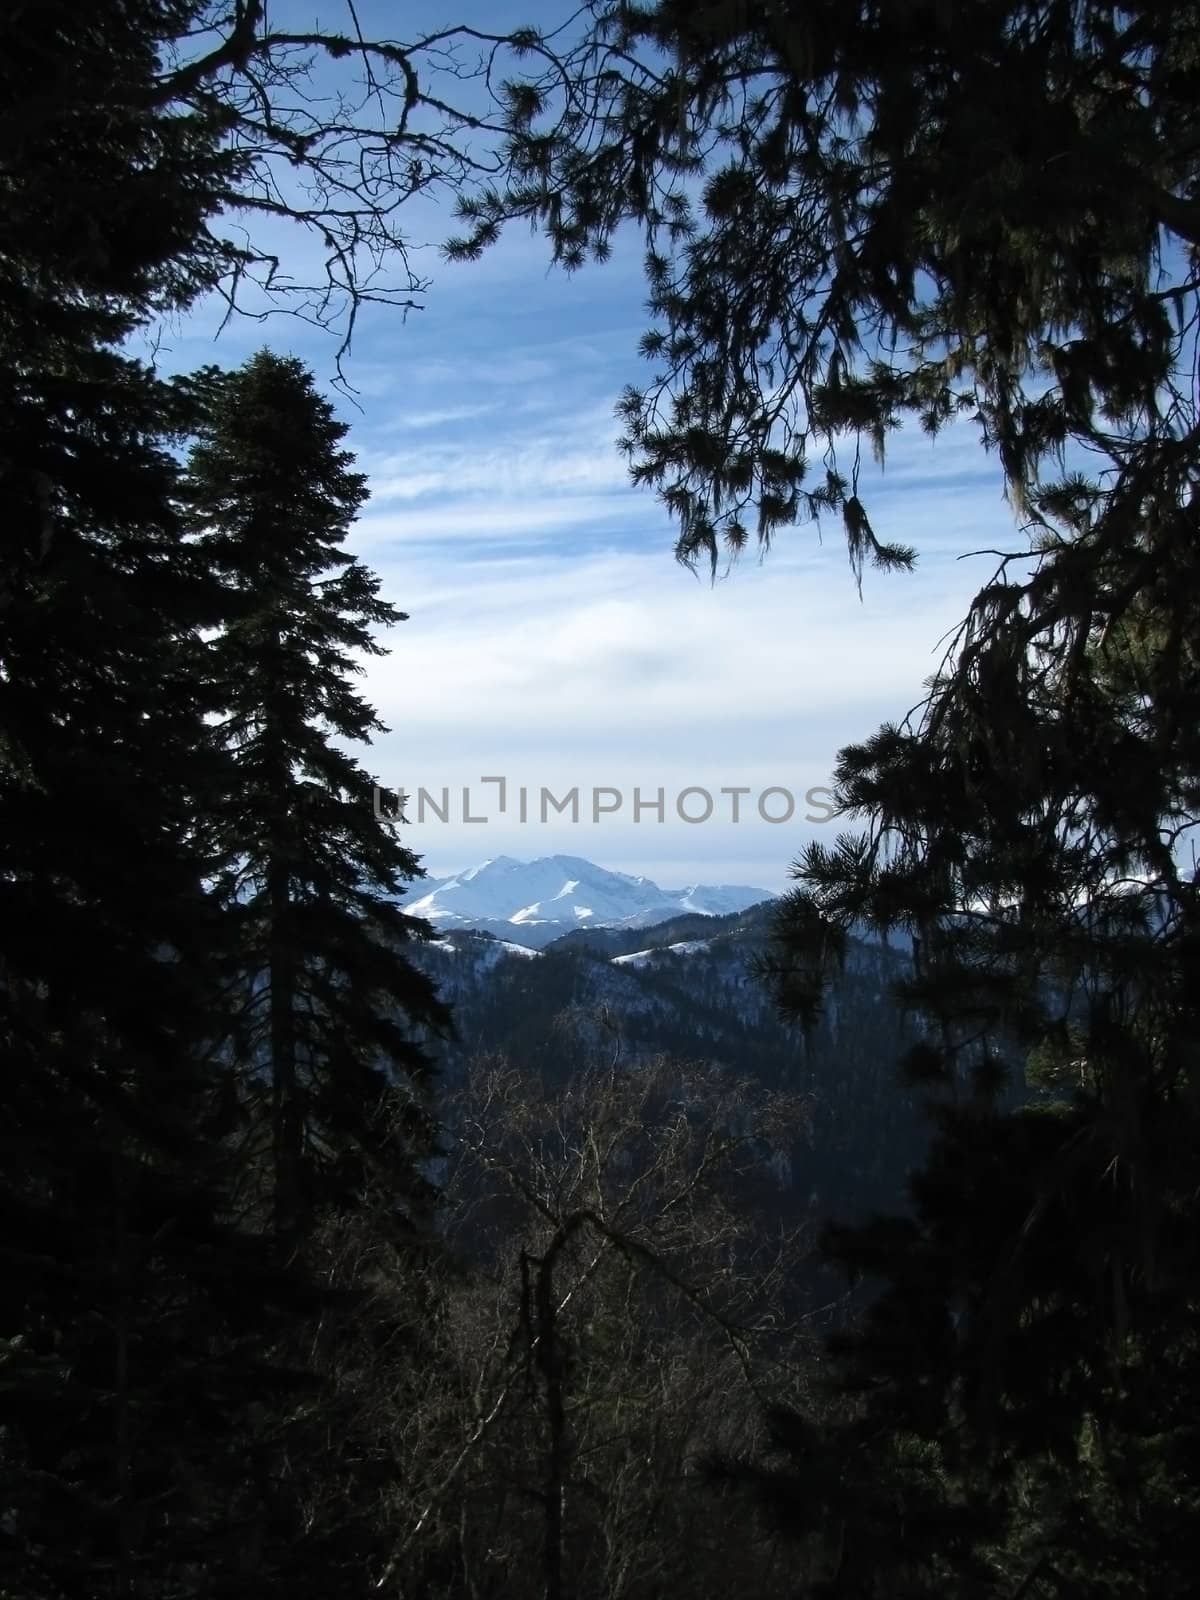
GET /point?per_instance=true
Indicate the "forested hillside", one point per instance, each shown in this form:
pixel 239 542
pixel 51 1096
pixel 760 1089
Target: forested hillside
pixel 700 999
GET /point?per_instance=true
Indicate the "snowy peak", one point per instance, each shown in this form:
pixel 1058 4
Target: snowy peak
pixel 533 902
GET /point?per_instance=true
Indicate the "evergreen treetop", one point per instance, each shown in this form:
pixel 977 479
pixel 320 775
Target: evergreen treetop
pixel 309 872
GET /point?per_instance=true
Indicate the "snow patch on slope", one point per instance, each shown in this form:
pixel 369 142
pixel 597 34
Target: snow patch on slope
pixel 639 958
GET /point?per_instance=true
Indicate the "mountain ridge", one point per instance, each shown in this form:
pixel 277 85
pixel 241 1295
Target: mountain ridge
pixel 693 991
pixel 535 902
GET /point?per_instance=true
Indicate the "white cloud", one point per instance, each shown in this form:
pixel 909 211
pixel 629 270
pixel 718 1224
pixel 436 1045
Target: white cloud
pixel 532 469
pixel 420 421
pixel 481 518
pixel 553 640
pixel 552 637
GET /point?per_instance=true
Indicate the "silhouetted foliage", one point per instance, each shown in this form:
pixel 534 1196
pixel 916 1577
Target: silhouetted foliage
pixel 323 1001
pixel 856 216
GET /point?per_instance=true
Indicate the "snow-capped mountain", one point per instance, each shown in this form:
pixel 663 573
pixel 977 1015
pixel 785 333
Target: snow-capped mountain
pixel 533 902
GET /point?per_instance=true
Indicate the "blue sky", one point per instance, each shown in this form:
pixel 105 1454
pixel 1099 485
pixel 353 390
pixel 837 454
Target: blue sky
pixel 552 637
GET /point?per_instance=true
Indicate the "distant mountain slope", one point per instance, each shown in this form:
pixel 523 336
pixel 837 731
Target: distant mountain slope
pixel 751 924
pixel 535 902
pixel 688 987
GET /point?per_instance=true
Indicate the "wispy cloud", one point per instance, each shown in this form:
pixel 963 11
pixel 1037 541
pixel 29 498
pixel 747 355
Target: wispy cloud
pixel 539 464
pixel 518 522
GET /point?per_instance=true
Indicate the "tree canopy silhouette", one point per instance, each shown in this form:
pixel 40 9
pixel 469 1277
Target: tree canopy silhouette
pixel 857 216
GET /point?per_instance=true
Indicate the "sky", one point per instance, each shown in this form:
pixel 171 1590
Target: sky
pixel 552 639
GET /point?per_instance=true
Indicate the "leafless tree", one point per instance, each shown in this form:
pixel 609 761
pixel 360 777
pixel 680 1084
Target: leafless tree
pixel 620 1312
pixel 332 132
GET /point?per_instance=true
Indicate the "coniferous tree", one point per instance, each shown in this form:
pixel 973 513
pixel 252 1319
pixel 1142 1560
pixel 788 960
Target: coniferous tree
pixel 308 871
pixel 848 227
pixel 141 1325
pixel 135 1316
pixel 1033 1345
pixel 91 1015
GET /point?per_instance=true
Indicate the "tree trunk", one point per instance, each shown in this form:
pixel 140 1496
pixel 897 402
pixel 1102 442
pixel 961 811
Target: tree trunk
pixel 286 1122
